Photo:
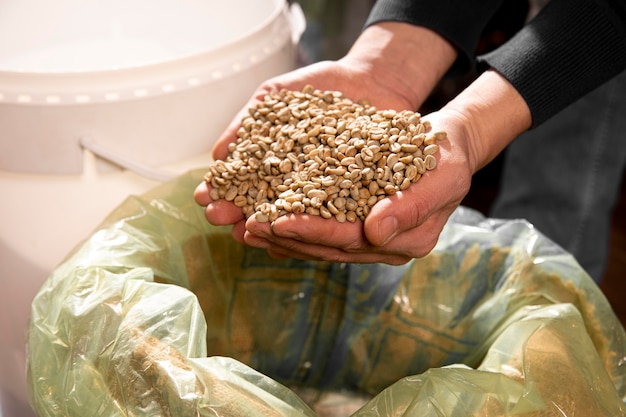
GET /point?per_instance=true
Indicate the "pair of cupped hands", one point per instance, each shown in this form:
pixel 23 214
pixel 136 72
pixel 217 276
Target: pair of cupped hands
pixel 400 227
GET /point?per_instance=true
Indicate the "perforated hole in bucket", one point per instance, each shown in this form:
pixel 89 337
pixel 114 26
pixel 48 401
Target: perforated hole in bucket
pixel 82 98
pixel 112 96
pixel 24 98
pixel 53 99
pixel 140 92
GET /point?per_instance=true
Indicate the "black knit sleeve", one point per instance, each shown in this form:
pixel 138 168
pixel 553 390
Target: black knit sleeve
pixel 570 48
pixel 459 21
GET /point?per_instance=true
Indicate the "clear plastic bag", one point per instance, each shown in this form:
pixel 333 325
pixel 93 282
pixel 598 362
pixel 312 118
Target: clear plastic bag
pixel 160 313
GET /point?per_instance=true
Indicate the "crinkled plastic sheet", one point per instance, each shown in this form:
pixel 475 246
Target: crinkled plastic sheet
pixel 159 313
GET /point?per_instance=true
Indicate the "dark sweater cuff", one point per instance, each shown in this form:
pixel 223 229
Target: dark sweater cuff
pixel 569 49
pixel 460 22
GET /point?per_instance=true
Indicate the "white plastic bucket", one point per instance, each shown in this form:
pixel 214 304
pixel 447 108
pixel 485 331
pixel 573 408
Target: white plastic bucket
pixel 102 99
pixel 155 82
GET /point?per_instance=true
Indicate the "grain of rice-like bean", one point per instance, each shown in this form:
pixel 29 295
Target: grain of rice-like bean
pixel 319 153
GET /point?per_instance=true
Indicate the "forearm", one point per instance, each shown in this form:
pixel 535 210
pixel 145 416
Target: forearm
pixel 410 60
pixel 493 113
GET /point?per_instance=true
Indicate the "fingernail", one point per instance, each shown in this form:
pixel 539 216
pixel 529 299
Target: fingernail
pixel 388 229
pixel 288 233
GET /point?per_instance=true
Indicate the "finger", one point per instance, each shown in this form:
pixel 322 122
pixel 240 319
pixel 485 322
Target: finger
pixel 201 194
pixel 419 241
pixel 290 248
pixel 220 149
pixel 319 231
pixel 314 238
pixel 399 213
pixel 222 212
pixel 440 190
pixel 238 231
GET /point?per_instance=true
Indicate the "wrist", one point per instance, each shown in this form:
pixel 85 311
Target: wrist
pixel 408 60
pixel 492 113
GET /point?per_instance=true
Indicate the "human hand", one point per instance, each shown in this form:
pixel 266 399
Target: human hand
pixel 342 76
pixel 392 65
pixel 400 227
pixel 479 123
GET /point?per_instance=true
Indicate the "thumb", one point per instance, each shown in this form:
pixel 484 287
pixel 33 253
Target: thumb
pixel 220 148
pixel 398 213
